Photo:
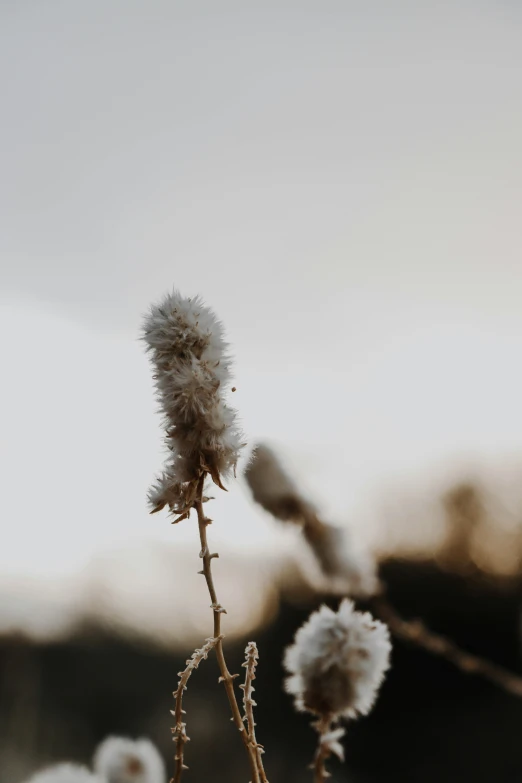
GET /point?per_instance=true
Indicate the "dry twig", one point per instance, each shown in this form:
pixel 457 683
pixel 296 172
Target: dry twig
pixel 218 610
pixel 327 745
pixel 416 632
pixel 179 730
pixel 250 664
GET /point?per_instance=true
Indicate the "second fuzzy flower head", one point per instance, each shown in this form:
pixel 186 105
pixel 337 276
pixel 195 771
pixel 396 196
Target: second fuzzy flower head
pixel 192 371
pixel 338 662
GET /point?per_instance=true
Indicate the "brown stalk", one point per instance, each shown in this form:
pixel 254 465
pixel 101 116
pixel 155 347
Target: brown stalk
pixel 250 664
pixel 179 730
pixel 323 726
pixel 218 610
pixel 416 632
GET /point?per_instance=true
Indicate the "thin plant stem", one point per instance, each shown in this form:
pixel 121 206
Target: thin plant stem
pixel 415 632
pixel 179 730
pixel 218 610
pixel 249 704
pixel 323 726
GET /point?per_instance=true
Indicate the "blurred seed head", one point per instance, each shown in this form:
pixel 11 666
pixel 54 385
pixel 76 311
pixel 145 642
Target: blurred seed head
pixel 345 570
pixel 121 760
pixel 337 662
pixel 66 773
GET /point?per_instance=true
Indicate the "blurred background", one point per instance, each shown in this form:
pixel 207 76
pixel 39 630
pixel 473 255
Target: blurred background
pixel 341 181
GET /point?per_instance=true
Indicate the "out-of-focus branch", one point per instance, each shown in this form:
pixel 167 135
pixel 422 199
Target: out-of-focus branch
pixel 275 491
pixel 416 632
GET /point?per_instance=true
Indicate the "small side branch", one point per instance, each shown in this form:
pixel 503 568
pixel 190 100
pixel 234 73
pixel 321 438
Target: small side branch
pixel 179 731
pixel 415 632
pixel 250 664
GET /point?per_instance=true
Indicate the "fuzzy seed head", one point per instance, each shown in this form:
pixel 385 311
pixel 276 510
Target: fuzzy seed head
pixel 121 760
pixel 337 662
pixel 192 372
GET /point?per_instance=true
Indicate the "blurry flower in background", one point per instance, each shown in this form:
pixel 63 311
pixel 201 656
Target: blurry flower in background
pixel 273 488
pixel 343 568
pixel 66 773
pixel 121 760
pixel 116 760
pixel 337 662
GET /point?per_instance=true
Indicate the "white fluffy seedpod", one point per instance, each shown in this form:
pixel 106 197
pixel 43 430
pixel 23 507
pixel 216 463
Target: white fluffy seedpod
pixel 66 773
pixel 337 662
pixel 192 374
pixel 121 760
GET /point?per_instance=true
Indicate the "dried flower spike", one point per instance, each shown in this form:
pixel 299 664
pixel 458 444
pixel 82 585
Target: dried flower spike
pixel 337 662
pixel 273 489
pixel 192 372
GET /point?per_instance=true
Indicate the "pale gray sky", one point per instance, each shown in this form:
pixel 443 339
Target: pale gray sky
pixel 341 181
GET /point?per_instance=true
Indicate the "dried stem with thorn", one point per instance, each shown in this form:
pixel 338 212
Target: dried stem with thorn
pixel 250 664
pixel 226 678
pixel 179 730
pixel 327 745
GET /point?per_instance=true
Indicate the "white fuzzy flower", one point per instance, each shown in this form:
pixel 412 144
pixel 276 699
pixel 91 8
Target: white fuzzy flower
pixel 192 374
pixel 121 760
pixel 337 662
pixel 65 773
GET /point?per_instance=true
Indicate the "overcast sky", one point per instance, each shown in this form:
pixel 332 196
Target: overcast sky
pixel 341 181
